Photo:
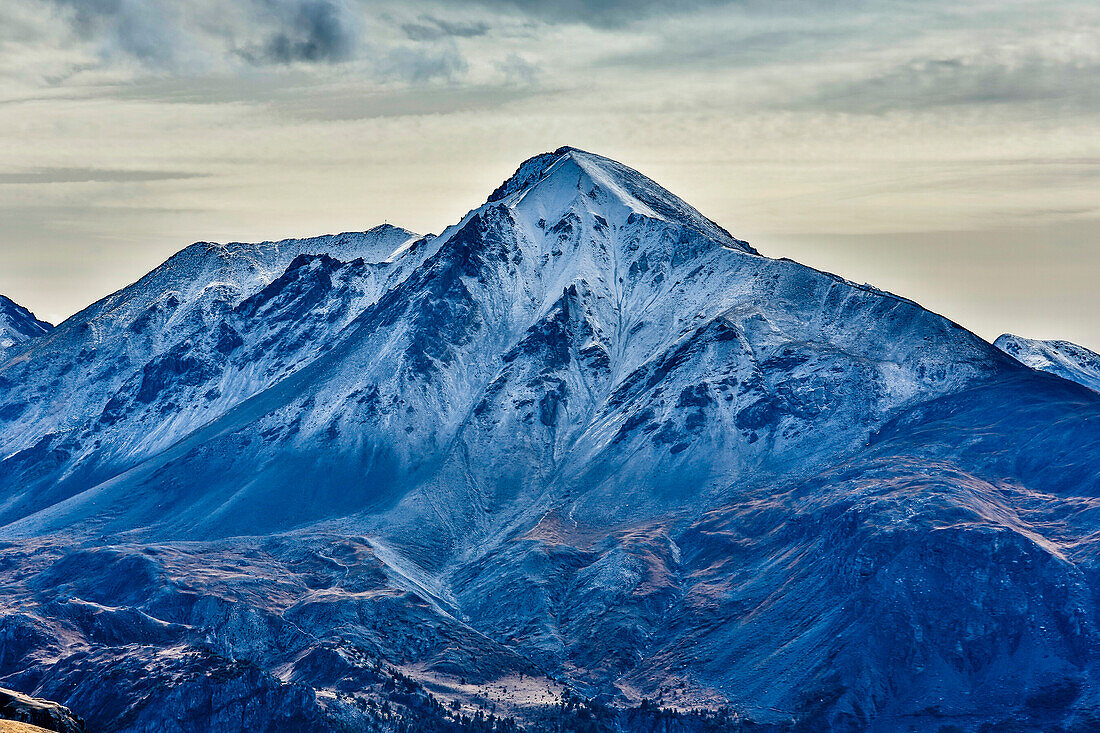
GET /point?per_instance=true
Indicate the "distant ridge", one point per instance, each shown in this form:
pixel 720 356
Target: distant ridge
pixel 1064 358
pixel 18 325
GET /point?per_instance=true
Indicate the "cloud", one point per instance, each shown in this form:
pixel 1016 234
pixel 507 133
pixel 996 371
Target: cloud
pixel 518 70
pixel 312 30
pixel 429 28
pixel 923 84
pixel 600 13
pixel 212 38
pixel 148 31
pixel 693 48
pixel 90 175
pixel 406 63
pixel 304 99
pixel 173 36
pixel 443 100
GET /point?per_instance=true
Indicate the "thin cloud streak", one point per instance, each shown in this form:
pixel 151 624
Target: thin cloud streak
pixel 91 175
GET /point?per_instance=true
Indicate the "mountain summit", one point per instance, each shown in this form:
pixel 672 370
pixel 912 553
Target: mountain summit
pixel 583 437
pixel 572 179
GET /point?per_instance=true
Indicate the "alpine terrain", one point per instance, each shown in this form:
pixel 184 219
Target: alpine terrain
pixel 582 461
pixel 17 325
pixel 1064 358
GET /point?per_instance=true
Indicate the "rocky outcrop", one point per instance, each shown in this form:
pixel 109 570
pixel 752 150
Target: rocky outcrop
pixel 41 713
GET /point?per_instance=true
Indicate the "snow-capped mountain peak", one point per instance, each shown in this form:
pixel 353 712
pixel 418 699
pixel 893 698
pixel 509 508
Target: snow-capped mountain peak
pixel 582 435
pixel 546 187
pixel 1064 358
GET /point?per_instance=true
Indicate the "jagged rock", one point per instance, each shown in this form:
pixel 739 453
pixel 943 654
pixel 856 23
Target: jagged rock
pixel 17 326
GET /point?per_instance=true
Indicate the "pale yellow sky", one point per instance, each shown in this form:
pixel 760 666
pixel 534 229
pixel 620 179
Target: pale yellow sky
pixel 951 155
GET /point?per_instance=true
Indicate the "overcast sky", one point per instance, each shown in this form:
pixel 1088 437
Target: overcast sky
pixel 949 152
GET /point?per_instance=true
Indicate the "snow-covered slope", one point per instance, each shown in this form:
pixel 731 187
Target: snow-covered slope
pixel 1064 358
pixel 585 439
pixel 146 366
pixel 585 329
pixel 17 326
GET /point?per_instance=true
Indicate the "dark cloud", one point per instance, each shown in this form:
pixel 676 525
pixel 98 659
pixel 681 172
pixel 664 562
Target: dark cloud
pixel 429 28
pixel 91 175
pixel 314 30
pixel 602 13
pixel 167 34
pixel 186 36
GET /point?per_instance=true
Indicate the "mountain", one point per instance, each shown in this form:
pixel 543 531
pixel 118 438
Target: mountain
pixel 1064 358
pixel 17 326
pixel 146 366
pixel 581 451
pixel 583 327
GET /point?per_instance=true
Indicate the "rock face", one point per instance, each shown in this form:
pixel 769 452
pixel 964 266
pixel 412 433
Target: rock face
pixel 1064 358
pixel 17 326
pixel 583 442
pixel 44 714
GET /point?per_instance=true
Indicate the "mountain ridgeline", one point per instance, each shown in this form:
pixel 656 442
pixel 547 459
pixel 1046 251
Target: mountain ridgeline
pixel 17 326
pixel 582 457
pixel 1064 358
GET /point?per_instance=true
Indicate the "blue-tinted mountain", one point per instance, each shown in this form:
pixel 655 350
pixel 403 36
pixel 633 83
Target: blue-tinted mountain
pixel 1064 358
pixel 17 326
pixel 582 444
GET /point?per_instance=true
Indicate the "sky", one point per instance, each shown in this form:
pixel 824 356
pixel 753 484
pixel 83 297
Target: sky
pixel 946 151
